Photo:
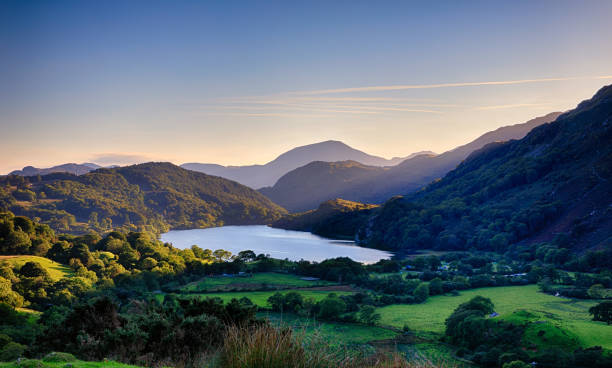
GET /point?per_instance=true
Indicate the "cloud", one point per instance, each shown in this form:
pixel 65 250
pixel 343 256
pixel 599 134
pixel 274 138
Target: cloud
pixel 106 159
pixel 512 106
pixel 442 85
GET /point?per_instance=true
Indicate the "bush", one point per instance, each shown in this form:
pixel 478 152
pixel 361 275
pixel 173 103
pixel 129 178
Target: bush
pixel 57 357
pixel 11 351
pixel 331 307
pixel 30 363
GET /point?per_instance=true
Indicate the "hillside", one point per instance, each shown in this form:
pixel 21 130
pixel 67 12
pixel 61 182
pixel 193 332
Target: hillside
pixel 153 196
pixel 75 169
pixel 258 176
pixel 304 188
pixel 336 218
pixel 356 181
pixel 552 186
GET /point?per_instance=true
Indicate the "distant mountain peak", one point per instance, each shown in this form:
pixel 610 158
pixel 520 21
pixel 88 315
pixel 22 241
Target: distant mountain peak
pixel 258 176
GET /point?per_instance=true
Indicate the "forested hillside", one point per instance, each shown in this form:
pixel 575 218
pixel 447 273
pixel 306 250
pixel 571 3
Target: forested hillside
pixel 554 185
pixel 305 187
pixel 151 196
pixel 336 218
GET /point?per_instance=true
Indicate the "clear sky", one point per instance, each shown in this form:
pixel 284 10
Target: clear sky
pixel 235 82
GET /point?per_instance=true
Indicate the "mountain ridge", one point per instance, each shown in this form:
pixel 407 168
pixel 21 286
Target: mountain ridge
pixel 72 168
pixel 259 176
pixel 369 184
pixel 153 196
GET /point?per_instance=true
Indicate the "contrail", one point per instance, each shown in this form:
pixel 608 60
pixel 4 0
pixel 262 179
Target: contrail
pixel 443 85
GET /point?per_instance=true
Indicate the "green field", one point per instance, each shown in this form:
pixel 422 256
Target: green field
pixel 266 278
pixel 437 353
pixel 569 315
pixel 56 270
pixel 260 298
pixel 333 332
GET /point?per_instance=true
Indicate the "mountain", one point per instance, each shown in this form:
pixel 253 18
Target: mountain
pixel 335 218
pixel 305 187
pixel 552 188
pixel 151 196
pixel 258 176
pixel 76 169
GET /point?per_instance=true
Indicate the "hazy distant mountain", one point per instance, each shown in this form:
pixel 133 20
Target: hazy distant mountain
pixel 306 187
pixel 71 168
pixel 257 176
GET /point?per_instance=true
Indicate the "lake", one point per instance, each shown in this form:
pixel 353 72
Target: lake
pixel 278 243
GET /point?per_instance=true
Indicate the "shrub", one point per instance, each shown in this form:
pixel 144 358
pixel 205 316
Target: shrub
pixel 30 363
pixel 57 357
pixel 11 351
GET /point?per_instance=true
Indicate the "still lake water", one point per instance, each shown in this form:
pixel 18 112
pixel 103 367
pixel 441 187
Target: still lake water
pixel 278 243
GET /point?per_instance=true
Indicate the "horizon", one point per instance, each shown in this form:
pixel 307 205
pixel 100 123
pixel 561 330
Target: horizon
pixel 239 83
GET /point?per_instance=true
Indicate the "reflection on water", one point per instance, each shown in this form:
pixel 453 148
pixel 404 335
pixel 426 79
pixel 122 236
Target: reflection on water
pixel 278 243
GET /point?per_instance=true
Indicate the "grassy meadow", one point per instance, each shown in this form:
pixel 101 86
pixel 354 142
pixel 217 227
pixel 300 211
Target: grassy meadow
pixel 260 298
pixel 560 316
pixel 56 270
pixel 333 332
pixel 270 279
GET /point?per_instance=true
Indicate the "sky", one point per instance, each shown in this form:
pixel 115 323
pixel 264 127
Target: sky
pixel 237 82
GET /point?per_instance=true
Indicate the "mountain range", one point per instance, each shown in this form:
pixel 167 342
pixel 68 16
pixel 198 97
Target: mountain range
pixel 150 196
pixel 552 188
pixel 306 187
pixel 258 176
pixel 76 169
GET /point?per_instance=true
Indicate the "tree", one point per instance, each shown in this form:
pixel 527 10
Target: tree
pixel 466 319
pixel 7 295
pixel 435 286
pixel 222 255
pixel 33 269
pixel 421 293
pixel 368 315
pixel 247 255
pixel 331 307
pixel 597 291
pixel 602 312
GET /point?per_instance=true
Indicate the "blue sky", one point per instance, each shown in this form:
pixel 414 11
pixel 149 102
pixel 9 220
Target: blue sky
pixel 236 82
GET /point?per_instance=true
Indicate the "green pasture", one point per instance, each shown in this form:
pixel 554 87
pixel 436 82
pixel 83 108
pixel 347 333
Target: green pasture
pixel 561 316
pixel 260 298
pixel 439 354
pixel 56 270
pixel 333 332
pixel 265 278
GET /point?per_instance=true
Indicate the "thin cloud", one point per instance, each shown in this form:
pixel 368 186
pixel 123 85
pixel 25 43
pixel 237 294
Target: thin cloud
pixel 511 106
pixel 106 159
pixel 442 85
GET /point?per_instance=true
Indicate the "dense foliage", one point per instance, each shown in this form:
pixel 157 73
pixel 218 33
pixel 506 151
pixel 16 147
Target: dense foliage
pixel 494 342
pixel 153 197
pixel 554 181
pixel 336 218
